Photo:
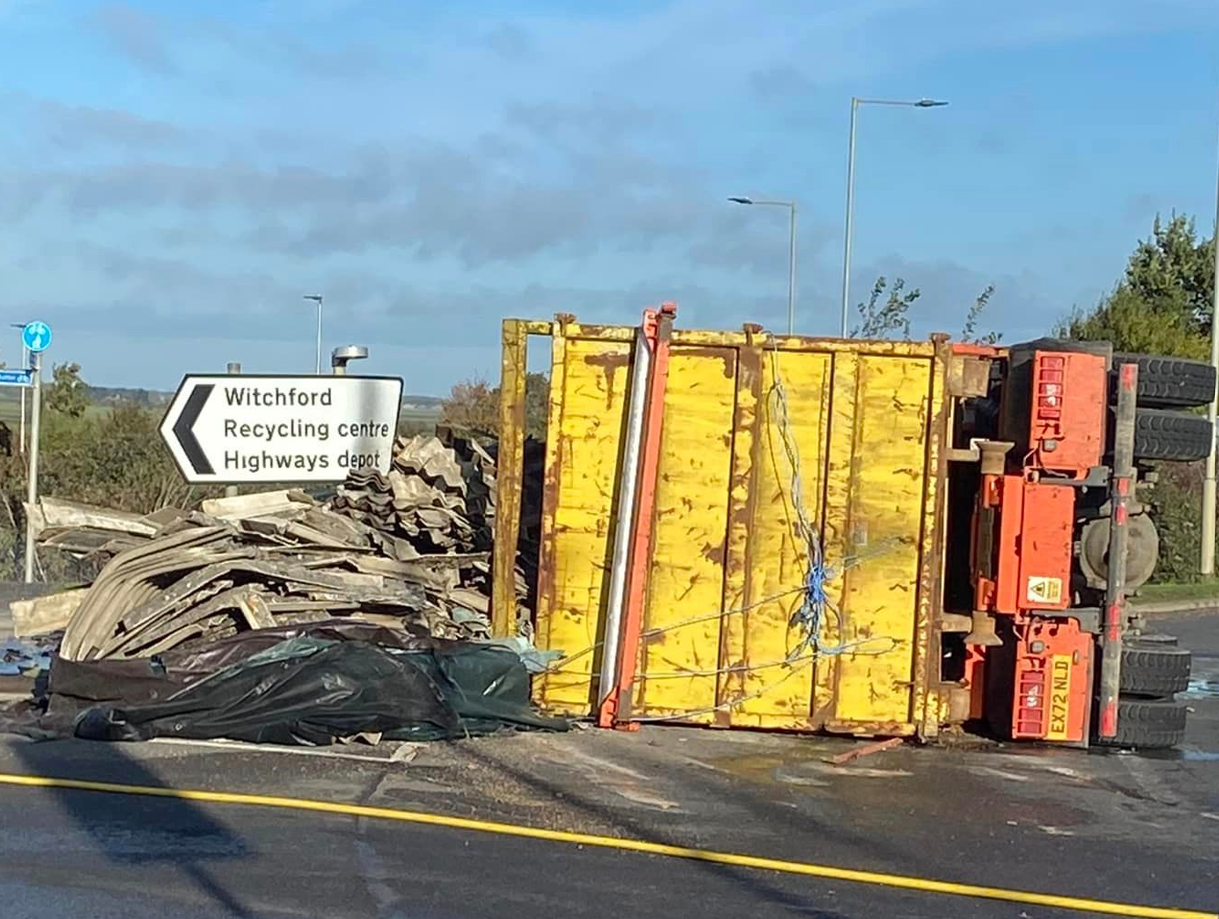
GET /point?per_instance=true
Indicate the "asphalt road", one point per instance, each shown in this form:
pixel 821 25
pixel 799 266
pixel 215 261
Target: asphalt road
pixel 1124 828
pixel 94 855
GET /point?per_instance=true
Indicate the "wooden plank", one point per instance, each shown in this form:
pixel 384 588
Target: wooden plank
pixel 55 512
pixel 45 614
pixel 284 502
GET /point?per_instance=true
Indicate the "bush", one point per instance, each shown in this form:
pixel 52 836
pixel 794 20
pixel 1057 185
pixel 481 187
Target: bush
pixel 114 459
pixel 472 408
pixel 1176 507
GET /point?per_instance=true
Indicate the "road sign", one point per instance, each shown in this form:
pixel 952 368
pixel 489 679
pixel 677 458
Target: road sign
pixel 230 429
pixel 36 336
pixel 16 378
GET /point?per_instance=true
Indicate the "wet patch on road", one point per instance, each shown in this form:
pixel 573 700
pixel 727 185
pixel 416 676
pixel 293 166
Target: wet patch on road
pixel 1202 689
pixel 1199 756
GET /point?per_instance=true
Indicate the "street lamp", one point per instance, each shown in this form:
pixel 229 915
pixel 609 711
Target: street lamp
pixel 317 298
pixel 342 356
pixel 791 254
pixel 846 255
pixel 25 365
pixel 1207 566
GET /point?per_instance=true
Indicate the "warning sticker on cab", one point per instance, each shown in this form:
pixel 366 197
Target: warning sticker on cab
pixel 1044 590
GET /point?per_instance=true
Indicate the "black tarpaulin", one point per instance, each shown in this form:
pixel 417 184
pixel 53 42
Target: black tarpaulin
pixel 75 685
pixel 312 689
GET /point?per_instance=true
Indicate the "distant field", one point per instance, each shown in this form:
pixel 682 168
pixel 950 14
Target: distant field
pixel 10 408
pixel 420 415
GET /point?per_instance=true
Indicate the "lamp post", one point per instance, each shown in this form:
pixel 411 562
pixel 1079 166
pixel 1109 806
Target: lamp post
pixel 1207 566
pixel 846 254
pixel 791 253
pixel 317 298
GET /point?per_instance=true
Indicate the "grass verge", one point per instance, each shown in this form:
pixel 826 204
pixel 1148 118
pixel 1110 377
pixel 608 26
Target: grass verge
pixel 1207 588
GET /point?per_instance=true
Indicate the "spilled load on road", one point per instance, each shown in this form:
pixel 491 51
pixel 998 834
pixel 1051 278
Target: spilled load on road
pixel 312 684
pixel 356 615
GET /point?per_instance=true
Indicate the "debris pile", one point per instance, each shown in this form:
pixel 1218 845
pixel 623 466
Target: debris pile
pixel 280 617
pixel 410 550
pixel 439 497
pixel 438 500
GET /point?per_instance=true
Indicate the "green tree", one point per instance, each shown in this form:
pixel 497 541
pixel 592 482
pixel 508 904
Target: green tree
pixel 67 393
pixel 969 333
pixel 1175 271
pixel 886 311
pixel 1162 305
pixel 1134 324
pixel 537 404
pixel 472 407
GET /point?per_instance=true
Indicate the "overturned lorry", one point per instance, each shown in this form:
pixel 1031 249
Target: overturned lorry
pixel 743 529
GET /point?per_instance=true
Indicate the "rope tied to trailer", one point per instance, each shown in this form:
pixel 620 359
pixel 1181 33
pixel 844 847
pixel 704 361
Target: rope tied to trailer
pixel 815 607
pixel 815 602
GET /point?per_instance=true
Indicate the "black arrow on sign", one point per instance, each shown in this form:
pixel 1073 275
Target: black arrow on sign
pixel 184 429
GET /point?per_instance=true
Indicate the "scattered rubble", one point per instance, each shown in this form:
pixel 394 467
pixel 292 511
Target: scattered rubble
pixel 46 614
pixel 410 549
pixel 24 658
pixel 280 617
pixel 437 498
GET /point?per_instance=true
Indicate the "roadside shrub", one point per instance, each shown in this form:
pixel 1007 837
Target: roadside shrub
pixel 1176 507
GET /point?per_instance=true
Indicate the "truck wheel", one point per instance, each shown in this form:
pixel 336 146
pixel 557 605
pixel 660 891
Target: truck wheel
pixel 1147 724
pixel 1170 436
pixel 1170 382
pixel 1154 670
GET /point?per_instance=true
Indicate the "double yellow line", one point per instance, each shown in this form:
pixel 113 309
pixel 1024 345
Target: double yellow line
pixel 881 879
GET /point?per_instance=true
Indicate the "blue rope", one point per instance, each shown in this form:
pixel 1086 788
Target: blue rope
pixel 814 598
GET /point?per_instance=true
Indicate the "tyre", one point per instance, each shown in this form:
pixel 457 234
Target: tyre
pixel 1170 436
pixel 1147 724
pixel 1170 382
pixel 1154 670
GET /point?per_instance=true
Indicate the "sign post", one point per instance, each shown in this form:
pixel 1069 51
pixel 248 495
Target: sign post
pixel 233 367
pixel 229 430
pixel 36 337
pixel 25 353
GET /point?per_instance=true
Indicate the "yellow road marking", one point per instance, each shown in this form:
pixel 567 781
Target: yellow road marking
pixel 900 881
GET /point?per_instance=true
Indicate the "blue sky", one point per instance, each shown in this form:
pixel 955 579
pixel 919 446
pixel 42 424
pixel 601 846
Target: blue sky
pixel 175 176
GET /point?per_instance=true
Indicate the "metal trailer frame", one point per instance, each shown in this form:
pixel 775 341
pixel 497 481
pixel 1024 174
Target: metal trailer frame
pixel 719 407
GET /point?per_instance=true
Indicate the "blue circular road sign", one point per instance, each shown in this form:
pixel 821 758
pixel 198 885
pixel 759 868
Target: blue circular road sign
pixel 36 337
